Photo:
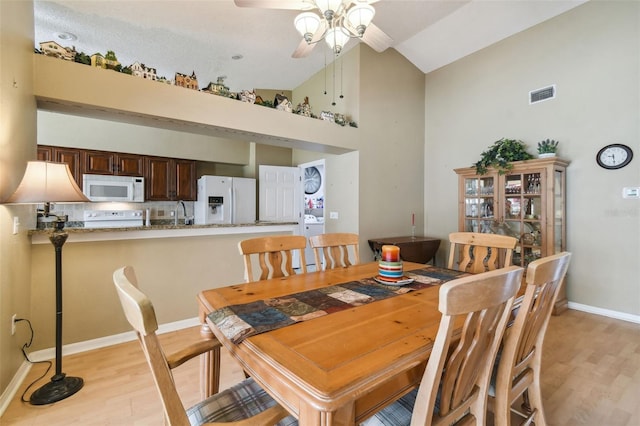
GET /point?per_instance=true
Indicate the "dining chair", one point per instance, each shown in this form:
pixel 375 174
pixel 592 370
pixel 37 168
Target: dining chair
pixel 275 255
pixel 518 368
pixel 245 403
pixel 455 382
pixel 334 248
pixel 476 252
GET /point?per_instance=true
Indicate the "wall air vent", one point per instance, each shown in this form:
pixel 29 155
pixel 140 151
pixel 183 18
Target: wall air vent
pixel 543 94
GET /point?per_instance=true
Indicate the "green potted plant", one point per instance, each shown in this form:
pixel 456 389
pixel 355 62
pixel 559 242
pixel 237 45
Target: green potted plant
pixel 547 148
pixel 501 154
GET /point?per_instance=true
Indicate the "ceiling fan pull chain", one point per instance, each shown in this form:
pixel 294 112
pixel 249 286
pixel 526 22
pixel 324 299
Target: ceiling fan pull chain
pixel 325 70
pixel 341 75
pixel 334 83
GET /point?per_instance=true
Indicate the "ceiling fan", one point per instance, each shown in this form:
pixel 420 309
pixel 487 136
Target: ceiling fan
pixel 335 21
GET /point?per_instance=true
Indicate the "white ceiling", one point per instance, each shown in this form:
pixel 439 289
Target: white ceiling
pixel 201 36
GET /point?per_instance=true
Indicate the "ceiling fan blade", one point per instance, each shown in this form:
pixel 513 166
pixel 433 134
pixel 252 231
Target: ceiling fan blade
pixel 377 39
pixel 302 50
pixel 305 48
pixel 274 4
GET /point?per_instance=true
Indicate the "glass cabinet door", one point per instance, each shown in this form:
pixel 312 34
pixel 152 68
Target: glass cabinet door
pixel 523 214
pixel 479 206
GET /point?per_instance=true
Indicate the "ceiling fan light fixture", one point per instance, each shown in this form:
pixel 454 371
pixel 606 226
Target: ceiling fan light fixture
pixel 336 38
pixel 329 8
pixel 360 16
pixel 307 23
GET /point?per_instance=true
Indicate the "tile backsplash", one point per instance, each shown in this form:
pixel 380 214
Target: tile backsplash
pixel 159 210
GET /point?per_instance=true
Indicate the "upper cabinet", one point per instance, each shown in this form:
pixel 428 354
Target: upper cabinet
pixel 170 179
pixel 528 203
pixel 112 163
pixel 70 156
pixel 166 179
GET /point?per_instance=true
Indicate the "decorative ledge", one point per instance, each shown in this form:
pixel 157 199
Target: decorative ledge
pixel 67 87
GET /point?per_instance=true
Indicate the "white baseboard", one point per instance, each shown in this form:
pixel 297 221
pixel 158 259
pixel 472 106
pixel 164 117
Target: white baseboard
pixel 50 353
pixel 102 342
pixel 14 385
pixel 605 312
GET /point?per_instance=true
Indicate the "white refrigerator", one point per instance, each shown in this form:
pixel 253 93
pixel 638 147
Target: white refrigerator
pixel 224 199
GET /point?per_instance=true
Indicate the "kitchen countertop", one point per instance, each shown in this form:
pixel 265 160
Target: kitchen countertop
pixel 80 234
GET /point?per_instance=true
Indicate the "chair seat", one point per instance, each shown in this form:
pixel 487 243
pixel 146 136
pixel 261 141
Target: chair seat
pixel 242 401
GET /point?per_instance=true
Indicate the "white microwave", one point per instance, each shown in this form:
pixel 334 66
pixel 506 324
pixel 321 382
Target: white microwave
pixel 113 188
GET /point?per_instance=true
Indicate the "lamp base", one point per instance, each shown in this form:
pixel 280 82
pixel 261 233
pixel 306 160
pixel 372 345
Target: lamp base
pixel 60 387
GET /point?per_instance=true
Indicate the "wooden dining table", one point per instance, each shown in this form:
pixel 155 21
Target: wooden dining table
pixel 340 368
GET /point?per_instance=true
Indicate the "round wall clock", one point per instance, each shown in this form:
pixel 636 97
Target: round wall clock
pixel 614 156
pixel 312 180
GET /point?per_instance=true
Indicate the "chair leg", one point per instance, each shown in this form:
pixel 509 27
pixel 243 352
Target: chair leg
pixel 535 402
pixel 210 377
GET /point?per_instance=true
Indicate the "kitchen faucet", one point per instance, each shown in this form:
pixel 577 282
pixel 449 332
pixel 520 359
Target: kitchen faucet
pixel 184 213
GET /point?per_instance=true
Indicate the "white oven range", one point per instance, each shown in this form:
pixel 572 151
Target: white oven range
pixel 112 218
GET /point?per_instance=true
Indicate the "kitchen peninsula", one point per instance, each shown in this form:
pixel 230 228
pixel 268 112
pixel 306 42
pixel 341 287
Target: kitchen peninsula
pixel 81 234
pixel 175 263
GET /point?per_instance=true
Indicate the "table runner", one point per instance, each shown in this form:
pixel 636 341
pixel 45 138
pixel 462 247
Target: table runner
pixel 237 322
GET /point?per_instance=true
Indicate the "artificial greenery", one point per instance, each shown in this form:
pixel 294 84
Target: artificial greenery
pixel 500 155
pixel 547 146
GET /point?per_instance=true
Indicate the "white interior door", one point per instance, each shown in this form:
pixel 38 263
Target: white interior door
pixel 280 194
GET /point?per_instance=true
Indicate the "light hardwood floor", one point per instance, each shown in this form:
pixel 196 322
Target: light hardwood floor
pixel 591 376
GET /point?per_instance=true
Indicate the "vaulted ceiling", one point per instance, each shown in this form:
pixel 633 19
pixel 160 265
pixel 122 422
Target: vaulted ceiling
pixel 204 36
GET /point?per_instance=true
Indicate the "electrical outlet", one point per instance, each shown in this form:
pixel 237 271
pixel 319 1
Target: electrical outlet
pixel 13 324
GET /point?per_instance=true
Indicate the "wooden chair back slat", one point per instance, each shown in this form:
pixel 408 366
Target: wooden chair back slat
pixel 275 255
pixel 482 303
pixel 478 252
pixel 339 250
pixel 140 313
pixel 521 357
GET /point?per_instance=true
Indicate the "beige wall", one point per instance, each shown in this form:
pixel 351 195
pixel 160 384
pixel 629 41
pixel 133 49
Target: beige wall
pixel 91 133
pixel 170 270
pixel 391 165
pixel 17 145
pixel 592 54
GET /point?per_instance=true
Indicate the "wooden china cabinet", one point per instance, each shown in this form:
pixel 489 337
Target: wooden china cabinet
pixel 527 202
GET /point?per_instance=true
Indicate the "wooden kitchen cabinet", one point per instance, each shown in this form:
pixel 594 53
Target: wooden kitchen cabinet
pixel 70 156
pixel 170 179
pixel 113 163
pixel 527 202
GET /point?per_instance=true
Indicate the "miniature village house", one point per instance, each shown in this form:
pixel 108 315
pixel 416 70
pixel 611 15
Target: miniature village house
pixel 51 48
pixel 109 61
pixel 217 88
pixel 184 80
pixel 142 71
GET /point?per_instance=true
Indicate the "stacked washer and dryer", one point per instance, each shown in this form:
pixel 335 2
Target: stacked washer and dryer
pixel 313 205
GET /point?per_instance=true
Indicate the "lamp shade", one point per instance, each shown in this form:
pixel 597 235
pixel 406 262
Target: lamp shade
pixel 360 16
pixel 336 38
pixel 307 23
pixel 44 182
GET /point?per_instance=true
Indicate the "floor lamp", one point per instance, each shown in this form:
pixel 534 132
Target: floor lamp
pixel 47 182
